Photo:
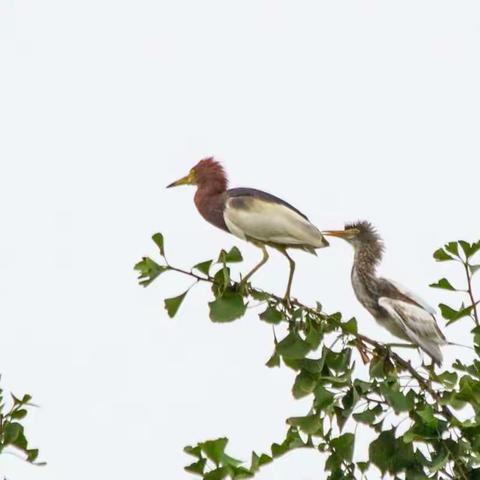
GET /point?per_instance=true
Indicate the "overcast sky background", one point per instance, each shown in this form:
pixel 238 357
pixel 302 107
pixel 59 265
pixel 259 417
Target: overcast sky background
pixel 346 109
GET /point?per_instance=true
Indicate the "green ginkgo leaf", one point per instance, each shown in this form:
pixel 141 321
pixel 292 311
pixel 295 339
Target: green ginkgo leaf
pixel 442 256
pixel 444 284
pixel 159 241
pixel 173 304
pixel 227 307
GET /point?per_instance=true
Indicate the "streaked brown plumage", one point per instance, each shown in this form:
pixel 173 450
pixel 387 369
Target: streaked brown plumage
pixel 400 311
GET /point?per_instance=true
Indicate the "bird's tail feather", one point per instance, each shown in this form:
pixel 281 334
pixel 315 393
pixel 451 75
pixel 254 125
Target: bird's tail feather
pixel 460 345
pixel 434 351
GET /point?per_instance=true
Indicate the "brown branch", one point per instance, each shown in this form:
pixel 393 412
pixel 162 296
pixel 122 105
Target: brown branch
pixel 470 293
pixel 423 382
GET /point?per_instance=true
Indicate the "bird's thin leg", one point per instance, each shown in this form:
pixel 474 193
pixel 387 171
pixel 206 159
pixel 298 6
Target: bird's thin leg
pixel 258 266
pixel 290 276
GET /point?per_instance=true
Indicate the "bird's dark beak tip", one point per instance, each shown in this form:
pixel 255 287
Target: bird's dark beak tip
pixel 176 183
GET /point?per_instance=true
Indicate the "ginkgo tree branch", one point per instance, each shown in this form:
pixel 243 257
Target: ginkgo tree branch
pixel 405 364
pixel 470 293
pixel 12 433
pixel 427 399
pixel 399 360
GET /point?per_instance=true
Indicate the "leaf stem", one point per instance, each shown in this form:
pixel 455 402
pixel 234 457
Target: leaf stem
pixel 470 293
pixel 424 383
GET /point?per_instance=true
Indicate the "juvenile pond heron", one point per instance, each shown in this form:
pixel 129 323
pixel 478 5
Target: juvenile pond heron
pixel 400 311
pixel 252 215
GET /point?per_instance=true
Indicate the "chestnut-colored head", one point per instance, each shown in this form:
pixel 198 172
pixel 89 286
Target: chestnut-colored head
pixel 206 173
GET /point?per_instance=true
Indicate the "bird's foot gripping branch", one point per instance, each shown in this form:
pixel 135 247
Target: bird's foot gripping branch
pixel 415 413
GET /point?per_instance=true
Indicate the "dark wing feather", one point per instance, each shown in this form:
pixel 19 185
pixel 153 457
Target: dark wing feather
pixel 267 197
pixel 396 290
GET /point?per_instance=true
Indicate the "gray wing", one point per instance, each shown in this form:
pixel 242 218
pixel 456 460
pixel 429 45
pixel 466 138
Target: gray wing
pixel 251 214
pixel 267 197
pixel 418 324
pixel 416 298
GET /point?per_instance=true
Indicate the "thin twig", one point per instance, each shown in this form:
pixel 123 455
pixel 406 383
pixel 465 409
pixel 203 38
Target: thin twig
pixel 406 365
pixel 470 293
pixel 423 382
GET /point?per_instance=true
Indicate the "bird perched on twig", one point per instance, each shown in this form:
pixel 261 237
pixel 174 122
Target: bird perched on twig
pixel 400 311
pixel 252 215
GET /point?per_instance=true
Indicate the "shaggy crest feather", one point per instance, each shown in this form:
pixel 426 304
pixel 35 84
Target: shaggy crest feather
pixel 210 171
pixel 368 239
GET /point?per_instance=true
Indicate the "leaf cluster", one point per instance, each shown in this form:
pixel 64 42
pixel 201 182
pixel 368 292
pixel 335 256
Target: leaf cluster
pixel 465 254
pixel 413 412
pixel 12 433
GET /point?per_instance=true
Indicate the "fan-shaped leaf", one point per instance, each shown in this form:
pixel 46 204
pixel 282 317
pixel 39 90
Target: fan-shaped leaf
pixel 272 315
pixel 343 446
pixel 158 239
pixel 453 315
pixel 310 424
pixel 148 271
pixel 443 283
pixel 442 256
pixel 173 304
pixel 232 256
pixel 227 307
pixel 204 267
pixel 293 346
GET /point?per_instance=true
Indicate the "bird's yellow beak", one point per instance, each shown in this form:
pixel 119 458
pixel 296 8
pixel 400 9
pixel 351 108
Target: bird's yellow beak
pixel 349 233
pixel 187 180
pixel 335 233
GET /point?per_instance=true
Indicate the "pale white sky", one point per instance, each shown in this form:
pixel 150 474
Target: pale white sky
pixel 346 109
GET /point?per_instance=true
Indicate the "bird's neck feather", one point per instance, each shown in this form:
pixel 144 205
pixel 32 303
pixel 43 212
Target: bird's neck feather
pixel 209 187
pixel 366 261
pixel 208 191
pixel 210 203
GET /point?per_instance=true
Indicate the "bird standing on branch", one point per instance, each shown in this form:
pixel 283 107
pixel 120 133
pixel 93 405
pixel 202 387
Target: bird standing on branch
pixel 400 311
pixel 252 215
